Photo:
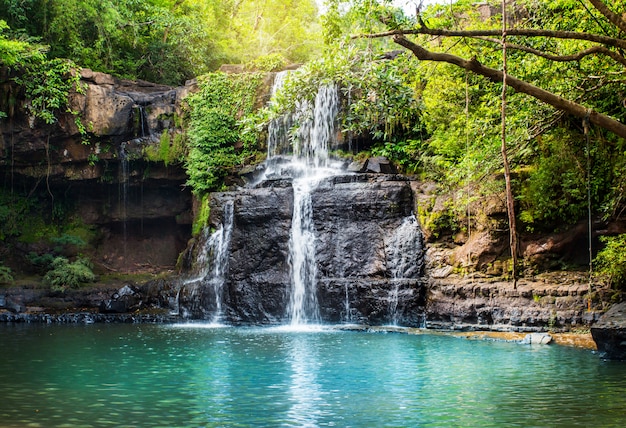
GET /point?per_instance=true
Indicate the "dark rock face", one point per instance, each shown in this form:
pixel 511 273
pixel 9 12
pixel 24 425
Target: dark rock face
pixel 356 217
pixel 141 215
pixel 609 333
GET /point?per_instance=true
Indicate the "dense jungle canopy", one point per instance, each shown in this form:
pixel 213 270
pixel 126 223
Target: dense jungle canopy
pixel 424 84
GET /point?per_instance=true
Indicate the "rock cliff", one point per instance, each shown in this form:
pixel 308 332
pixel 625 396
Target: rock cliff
pixel 355 218
pixel 139 210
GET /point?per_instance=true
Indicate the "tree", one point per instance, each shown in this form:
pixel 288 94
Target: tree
pixel 597 44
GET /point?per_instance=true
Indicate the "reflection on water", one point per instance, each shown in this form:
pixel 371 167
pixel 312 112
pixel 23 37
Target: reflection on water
pixel 206 375
pixel 305 395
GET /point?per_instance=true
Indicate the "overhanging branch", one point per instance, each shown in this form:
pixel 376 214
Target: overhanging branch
pixel 572 35
pixel 614 18
pixel 563 58
pixel 494 75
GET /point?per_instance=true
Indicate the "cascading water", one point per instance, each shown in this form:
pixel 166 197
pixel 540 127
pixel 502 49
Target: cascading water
pixel 278 128
pixel 213 262
pixel 312 242
pixel 124 178
pixel 401 263
pixel 219 244
pixel 303 306
pixel 310 163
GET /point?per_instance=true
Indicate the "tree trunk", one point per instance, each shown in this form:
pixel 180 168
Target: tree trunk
pixel 510 203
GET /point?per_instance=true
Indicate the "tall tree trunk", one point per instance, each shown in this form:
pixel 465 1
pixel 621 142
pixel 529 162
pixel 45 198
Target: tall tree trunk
pixel 510 204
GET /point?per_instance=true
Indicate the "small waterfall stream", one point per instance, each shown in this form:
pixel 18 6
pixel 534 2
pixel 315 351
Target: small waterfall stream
pixel 401 250
pixel 124 182
pixel 212 258
pixel 219 244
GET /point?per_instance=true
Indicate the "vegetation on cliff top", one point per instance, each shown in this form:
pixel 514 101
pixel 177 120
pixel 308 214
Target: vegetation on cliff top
pixel 165 41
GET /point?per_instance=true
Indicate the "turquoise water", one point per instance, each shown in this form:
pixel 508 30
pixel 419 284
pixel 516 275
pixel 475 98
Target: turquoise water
pixel 196 376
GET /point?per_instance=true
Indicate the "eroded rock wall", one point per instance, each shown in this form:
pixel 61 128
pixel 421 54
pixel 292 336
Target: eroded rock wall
pixel 355 217
pixel 140 210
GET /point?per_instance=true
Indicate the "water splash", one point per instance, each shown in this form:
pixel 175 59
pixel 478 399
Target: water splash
pixel 401 250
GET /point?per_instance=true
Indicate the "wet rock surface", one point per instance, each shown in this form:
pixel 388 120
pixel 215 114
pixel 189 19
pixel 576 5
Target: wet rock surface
pixel 609 333
pixel 535 304
pixel 355 217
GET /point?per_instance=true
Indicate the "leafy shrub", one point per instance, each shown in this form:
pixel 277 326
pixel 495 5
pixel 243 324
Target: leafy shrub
pixel 216 126
pixel 271 62
pixel 5 274
pixel 66 274
pixel 611 260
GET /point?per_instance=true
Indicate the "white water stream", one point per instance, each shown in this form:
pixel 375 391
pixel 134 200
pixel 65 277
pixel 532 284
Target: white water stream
pixel 310 163
pixel 213 261
pixel 400 254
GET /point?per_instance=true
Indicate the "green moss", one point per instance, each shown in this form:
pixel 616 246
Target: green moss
pixel 202 217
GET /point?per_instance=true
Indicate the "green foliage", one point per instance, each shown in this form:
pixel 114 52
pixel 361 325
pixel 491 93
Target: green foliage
pixel 169 151
pixel 378 99
pixel 66 240
pixel 216 125
pixel 611 260
pixel 267 63
pixel 46 83
pixel 14 211
pixel 5 274
pixel 65 274
pixel 15 52
pixel 202 217
pixel 41 262
pixel 47 86
pixel 554 192
pixel 166 41
pixel 437 221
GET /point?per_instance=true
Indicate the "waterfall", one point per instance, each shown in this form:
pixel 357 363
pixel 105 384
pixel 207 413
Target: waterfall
pixel 303 300
pixel 401 251
pixel 278 128
pixel 124 178
pixel 310 164
pixel 213 261
pixel 219 243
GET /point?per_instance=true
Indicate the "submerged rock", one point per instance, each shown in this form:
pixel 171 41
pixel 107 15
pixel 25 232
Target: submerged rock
pixel 536 339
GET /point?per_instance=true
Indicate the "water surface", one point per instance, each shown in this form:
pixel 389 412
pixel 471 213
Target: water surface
pixel 200 376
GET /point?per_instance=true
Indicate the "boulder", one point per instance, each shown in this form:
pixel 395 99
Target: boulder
pixel 536 339
pixel 609 333
pixel 126 299
pixel 380 164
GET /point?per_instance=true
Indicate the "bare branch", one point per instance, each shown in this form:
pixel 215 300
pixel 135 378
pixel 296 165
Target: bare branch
pixel 613 17
pixel 573 35
pixel 494 75
pixel 563 58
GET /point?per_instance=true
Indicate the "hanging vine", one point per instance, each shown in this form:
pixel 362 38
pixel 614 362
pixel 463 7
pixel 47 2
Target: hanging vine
pixel 507 170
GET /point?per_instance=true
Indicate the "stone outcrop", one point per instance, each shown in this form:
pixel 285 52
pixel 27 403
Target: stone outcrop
pixel 139 209
pixel 609 333
pixel 478 302
pixel 355 217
